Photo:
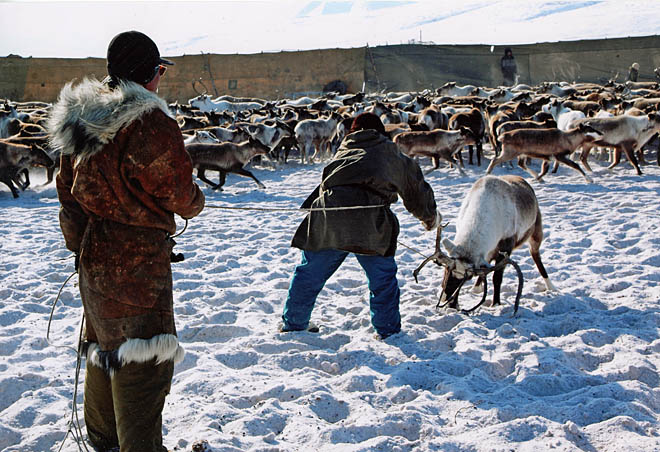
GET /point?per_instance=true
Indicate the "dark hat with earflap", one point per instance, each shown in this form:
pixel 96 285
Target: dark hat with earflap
pixel 367 121
pixel 134 56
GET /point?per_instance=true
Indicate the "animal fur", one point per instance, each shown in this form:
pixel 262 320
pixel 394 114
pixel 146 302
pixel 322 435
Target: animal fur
pixel 498 215
pixel 225 158
pixel 87 116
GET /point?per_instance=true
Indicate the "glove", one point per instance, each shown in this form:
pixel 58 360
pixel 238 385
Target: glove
pixel 178 257
pixel 434 223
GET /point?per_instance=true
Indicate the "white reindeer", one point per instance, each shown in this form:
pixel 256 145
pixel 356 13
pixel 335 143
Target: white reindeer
pixel 204 103
pixel 316 133
pixel 498 215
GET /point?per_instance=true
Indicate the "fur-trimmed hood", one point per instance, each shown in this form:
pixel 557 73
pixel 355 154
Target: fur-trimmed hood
pixel 88 115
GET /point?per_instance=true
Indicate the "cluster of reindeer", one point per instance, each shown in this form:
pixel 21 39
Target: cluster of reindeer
pixel 550 121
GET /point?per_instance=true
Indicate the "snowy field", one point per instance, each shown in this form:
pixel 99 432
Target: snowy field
pixel 575 370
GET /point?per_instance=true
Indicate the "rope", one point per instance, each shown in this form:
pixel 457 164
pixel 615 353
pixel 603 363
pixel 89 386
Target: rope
pixel 284 209
pixel 73 426
pixel 182 230
pixel 52 311
pixel 290 209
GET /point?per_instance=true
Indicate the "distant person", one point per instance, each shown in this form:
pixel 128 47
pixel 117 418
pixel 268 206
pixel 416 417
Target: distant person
pixel 508 67
pixel 656 71
pixel 633 72
pixel 368 170
pixel 124 174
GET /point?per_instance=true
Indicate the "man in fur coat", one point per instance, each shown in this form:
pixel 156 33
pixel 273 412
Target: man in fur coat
pixel 368 170
pixel 124 174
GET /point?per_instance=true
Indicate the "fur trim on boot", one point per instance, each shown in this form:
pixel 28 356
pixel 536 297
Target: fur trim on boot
pixel 164 347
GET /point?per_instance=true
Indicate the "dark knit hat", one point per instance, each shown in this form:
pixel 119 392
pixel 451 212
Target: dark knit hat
pixel 133 56
pixel 367 121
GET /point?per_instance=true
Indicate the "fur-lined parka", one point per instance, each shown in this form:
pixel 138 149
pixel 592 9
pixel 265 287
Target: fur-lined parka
pixel 124 174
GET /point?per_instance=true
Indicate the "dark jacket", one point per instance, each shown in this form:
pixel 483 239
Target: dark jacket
pixel 124 174
pixel 509 68
pixel 367 170
pixel 633 74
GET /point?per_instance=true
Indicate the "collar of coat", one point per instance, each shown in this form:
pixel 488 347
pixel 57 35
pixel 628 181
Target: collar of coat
pixel 87 116
pixel 363 138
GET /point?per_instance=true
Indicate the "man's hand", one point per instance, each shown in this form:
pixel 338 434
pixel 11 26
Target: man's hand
pixel 434 223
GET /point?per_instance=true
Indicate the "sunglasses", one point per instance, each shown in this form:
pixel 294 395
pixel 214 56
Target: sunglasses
pixel 160 70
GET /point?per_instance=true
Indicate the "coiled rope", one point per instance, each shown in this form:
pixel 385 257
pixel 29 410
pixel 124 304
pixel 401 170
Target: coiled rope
pixel 74 423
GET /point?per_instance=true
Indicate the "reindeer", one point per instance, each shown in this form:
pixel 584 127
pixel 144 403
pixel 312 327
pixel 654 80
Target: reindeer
pixel 473 120
pixel 226 158
pixel 498 215
pixel 434 118
pixel 204 103
pixel 438 144
pixel 200 136
pixel 625 133
pixel 15 159
pixel 544 144
pixel 317 133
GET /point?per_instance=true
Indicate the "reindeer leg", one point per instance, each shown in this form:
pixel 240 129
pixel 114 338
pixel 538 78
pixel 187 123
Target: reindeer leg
pixel 246 173
pixel 640 156
pixel 617 158
pixel 505 156
pixel 630 153
pixel 522 162
pixel 7 179
pixel 201 175
pixel 470 153
pixel 222 177
pixel 480 152
pixel 460 157
pixel 50 172
pixel 566 161
pixel 452 161
pixel 555 167
pixel 505 247
pixel 534 248
pixel 586 149
pixel 21 183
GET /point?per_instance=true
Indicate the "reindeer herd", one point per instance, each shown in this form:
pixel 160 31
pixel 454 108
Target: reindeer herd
pixel 560 122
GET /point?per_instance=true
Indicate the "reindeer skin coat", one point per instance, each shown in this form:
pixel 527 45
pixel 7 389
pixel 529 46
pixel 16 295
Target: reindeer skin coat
pixel 124 174
pixel 367 170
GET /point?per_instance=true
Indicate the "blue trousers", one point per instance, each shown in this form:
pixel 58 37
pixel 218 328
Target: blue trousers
pixel 318 266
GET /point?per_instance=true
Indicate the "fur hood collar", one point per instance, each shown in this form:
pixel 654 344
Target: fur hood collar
pixel 87 116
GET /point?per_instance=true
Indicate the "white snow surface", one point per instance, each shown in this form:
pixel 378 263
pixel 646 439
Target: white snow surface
pixel 575 370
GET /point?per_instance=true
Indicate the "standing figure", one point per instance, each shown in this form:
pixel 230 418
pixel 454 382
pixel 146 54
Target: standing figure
pixel 367 170
pixel 633 72
pixel 508 67
pixel 124 173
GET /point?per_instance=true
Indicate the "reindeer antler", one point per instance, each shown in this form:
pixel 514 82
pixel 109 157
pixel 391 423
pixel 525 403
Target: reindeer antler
pixel 206 90
pixel 438 256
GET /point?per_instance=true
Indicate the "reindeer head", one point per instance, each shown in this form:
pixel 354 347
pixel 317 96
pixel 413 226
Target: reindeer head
pixel 258 147
pixel 590 133
pixel 39 157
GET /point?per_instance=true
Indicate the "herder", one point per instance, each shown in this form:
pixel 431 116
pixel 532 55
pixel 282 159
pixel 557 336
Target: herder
pixel 368 170
pixel 124 174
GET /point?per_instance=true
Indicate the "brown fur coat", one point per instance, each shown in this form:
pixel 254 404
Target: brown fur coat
pixel 124 174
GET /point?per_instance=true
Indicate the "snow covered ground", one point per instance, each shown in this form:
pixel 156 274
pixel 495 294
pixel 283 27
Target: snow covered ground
pixel 572 371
